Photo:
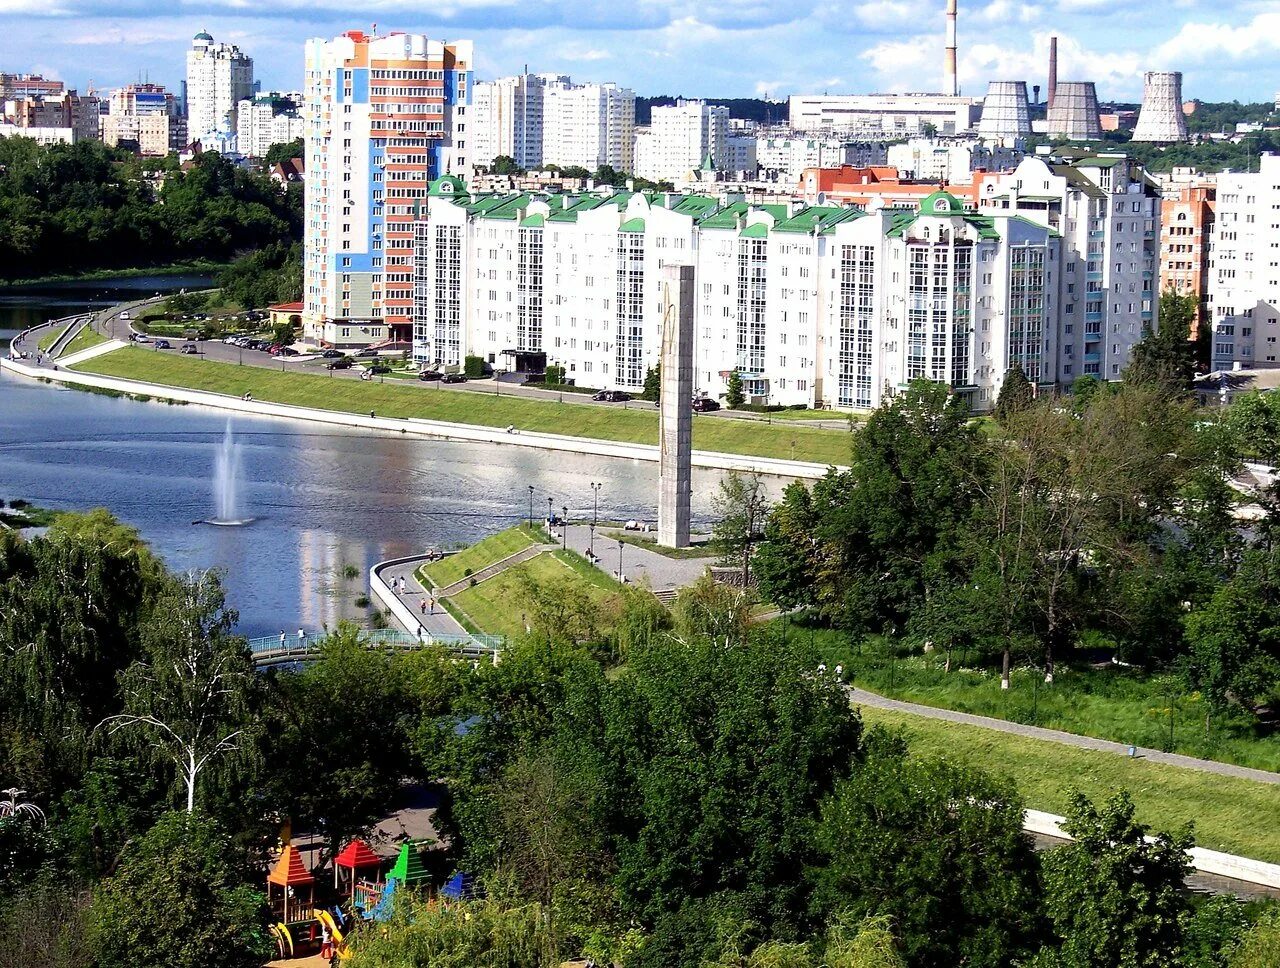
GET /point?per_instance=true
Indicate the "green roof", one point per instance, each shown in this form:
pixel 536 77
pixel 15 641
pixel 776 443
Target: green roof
pixel 756 231
pixel 726 217
pixel 533 221
pixel 940 203
pixel 1096 162
pixel 408 867
pixel 447 185
pixel 632 225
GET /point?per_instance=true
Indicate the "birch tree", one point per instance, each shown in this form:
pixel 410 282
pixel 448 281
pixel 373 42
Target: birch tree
pixel 189 700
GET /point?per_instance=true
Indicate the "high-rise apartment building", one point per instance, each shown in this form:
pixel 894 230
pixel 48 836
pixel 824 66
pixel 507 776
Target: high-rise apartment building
pixel 1187 214
pixel 1107 211
pixel 384 115
pixel 145 117
pixel 546 119
pixel 1244 282
pixel 680 137
pixel 219 77
pixel 790 154
pixel 51 118
pixel 266 120
pixel 810 305
pixel 28 85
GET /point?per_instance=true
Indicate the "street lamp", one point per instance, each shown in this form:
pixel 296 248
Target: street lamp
pixel 595 516
pixel 549 512
pixel 531 505
pixel 620 547
pixel 564 529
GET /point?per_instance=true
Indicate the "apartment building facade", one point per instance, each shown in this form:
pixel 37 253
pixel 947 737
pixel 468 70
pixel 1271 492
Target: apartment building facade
pixel 680 137
pixel 1187 217
pixel 219 76
pixel 810 305
pixel 265 121
pixel 385 115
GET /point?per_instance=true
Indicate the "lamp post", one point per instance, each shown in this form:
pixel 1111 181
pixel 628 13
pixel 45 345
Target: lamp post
pixel 620 547
pixel 595 516
pixel 564 528
pixel 531 505
pixel 549 513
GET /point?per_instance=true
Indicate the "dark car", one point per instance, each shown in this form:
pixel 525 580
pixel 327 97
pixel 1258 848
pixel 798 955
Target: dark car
pixel 366 352
pixel 189 348
pixel 612 396
pixel 453 378
pixel 378 369
pixel 429 375
pixel 705 405
pixel 342 363
pixel 331 354
pixel 162 344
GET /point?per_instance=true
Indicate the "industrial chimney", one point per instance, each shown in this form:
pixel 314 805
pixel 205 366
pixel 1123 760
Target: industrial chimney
pixel 1053 69
pixel 952 84
pixel 1161 120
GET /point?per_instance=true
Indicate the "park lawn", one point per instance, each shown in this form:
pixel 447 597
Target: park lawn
pixel 700 550
pixel 84 339
pixel 1232 815
pixel 401 401
pixel 1113 703
pixel 496 606
pixel 51 337
pixel 480 555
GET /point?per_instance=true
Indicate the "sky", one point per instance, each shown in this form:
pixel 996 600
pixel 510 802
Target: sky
pixel 698 48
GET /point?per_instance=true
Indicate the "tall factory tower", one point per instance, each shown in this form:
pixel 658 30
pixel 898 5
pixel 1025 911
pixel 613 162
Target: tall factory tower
pixel 1161 120
pixel 951 86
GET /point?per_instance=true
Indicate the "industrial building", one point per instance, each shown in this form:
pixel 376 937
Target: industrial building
pixel 1006 115
pixel 1073 111
pixel 877 116
pixel 1161 120
pixel 385 115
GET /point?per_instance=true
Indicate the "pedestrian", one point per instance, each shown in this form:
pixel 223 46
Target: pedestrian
pixel 402 584
pixel 282 638
pixel 326 942
pixel 422 606
pixel 302 638
pixel 433 604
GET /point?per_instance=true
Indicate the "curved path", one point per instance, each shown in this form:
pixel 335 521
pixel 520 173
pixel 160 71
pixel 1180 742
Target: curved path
pixel 862 697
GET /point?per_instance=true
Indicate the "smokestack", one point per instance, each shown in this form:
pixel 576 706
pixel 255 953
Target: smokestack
pixel 951 85
pixel 1053 68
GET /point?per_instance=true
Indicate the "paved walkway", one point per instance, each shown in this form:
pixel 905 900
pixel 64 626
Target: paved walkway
pixel 414 594
pixel 864 698
pixel 662 573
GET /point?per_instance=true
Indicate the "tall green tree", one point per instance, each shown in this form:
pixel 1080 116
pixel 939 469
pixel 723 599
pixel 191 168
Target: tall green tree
pixel 740 506
pixel 1165 357
pixel 176 901
pixel 652 384
pixel 788 558
pixel 1016 394
pixel 1113 897
pixel 733 395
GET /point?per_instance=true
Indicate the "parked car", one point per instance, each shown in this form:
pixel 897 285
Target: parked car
pixel 453 378
pixel 341 363
pixel 140 337
pixel 378 369
pixel 163 344
pixel 429 375
pixel 189 349
pixel 367 352
pixel 612 396
pixel 331 354
pixel 705 405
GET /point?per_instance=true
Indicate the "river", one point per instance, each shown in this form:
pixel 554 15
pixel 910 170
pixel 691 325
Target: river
pixel 325 498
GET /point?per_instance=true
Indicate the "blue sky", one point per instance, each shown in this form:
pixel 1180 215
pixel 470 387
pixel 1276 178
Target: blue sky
pixel 726 48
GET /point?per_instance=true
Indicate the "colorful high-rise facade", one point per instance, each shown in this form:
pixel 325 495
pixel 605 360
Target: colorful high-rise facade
pixel 385 115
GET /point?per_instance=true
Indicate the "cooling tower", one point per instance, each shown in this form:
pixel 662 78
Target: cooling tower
pixel 1161 120
pixel 1005 115
pixel 1073 113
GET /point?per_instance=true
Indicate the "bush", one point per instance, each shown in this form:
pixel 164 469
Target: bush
pixel 473 366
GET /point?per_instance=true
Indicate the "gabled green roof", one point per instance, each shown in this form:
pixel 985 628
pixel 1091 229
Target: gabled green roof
pixel 632 225
pixel 533 221
pixel 408 867
pixel 756 231
pixel 724 218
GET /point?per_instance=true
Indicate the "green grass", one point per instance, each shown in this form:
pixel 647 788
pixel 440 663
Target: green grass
pixel 1236 816
pixel 84 339
pixel 496 606
pixel 651 544
pixel 492 549
pixel 400 400
pixel 51 337
pixel 1112 703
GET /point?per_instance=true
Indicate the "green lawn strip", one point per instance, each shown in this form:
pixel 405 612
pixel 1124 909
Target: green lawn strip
pixel 1112 703
pixel 51 337
pixel 1232 815
pixel 461 617
pixel 492 549
pixel 396 399
pixel 84 339
pixel 496 605
pixel 702 551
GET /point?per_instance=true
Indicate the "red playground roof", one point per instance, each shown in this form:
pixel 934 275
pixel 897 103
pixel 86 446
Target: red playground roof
pixel 289 871
pixel 357 854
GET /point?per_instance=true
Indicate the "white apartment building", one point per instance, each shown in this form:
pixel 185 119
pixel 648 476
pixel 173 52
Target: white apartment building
pixel 883 115
pixel 1107 211
pixel 1244 269
pixel 219 76
pixel 791 154
pixel 811 305
pixel 265 121
pixel 145 115
pixel 680 137
pixel 385 115
pixel 953 162
pixel 546 119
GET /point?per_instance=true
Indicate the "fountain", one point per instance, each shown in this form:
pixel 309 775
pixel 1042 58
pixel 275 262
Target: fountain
pixel 226 484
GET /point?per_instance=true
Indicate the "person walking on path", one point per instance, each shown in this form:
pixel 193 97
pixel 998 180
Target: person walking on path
pixel 432 603
pixel 282 638
pixel 422 606
pixel 302 639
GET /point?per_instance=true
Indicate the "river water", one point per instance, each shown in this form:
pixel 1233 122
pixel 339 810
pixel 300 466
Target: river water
pixel 325 498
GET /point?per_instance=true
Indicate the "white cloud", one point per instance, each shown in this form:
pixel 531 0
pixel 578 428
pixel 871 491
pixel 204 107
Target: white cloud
pixel 1200 42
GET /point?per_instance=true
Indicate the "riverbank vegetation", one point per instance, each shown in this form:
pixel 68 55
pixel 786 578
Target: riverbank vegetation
pixel 787 441
pixel 70 209
pixel 645 787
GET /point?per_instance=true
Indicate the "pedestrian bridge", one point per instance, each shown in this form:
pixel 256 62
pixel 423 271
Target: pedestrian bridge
pixel 267 650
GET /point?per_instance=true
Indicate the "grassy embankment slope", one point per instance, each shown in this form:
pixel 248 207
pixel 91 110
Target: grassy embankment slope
pixel 84 339
pixel 786 441
pixel 492 549
pixel 51 336
pixel 1232 815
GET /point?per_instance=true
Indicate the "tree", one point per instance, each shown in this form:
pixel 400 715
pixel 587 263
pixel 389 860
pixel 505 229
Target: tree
pixel 190 699
pixel 935 847
pixel 1165 357
pixel 1254 422
pixel 177 902
pixel 1261 946
pixel 1016 394
pixel 1113 897
pixel 733 395
pixel 652 384
pixel 283 151
pixel 282 333
pixel 505 165
pixel 787 557
pixel 740 507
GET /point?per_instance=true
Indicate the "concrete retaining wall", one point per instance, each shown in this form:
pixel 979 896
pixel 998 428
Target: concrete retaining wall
pixel 383 593
pixel 1206 861
pixel 438 429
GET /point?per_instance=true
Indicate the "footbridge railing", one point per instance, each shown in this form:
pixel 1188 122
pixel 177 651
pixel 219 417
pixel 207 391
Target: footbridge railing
pixel 269 650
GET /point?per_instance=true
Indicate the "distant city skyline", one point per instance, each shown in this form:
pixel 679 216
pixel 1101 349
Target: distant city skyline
pixel 698 48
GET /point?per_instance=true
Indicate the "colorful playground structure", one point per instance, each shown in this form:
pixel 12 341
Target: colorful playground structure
pixel 362 894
